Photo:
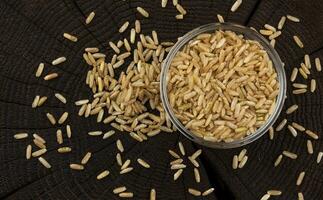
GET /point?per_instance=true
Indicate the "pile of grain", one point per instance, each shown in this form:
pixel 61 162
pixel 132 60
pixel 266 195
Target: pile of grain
pixel 222 87
pixel 127 101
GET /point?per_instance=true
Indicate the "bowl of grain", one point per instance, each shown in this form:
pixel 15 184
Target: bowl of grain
pixel 223 85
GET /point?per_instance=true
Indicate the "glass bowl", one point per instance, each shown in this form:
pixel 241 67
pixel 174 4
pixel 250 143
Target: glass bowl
pixel 248 34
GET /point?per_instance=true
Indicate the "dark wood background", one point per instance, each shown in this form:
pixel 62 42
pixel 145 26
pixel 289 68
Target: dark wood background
pixel 31 32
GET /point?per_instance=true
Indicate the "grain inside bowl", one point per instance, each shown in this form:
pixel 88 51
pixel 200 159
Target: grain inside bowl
pixel 221 86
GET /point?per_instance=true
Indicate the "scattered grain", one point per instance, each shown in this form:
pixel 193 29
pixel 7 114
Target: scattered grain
pixel 278 160
pixel 294 74
pixel 300 178
pixel 178 174
pixel 318 64
pixel 271 133
pixel 92 49
pixel 40 139
pixel 40 69
pixel 196 154
pixel 275 35
pixel 197 175
pixel 120 146
pixel 64 149
pixel 181 148
pixel 292 109
pixel 220 18
pixel 319 157
pixel 172 153
pixel 153 133
pixel 266 32
pixel 243 162
pixel 39 144
pixel 194 192
pixel 42 100
pixel 312 134
pixel 81 102
pixel 273 42
pixel 281 125
pixel 300 196
pixel 44 162
pixel 242 154
pixel 298 41
pixel 309 145
pixel 124 27
pixel 50 76
pixel 236 5
pixel 108 134
pixel 177 161
pixel 59 136
pixel 51 118
pixel 82 110
pixel 313 85
pixel 114 47
pixel 59 60
pixel 303 73
pixel 270 27
pixel 298 126
pixel 126 195
pixel 153 194
pixel 39 152
pixel 95 133
pixel 137 26
pixel 76 166
pixel 90 18
pixel 35 101
pixel 194 162
pixel 136 137
pixel 290 155
pixel 119 189
pixel 143 12
pixel 143 163
pixel 63 118
pixel 164 3
pixel 307 61
pixel 86 158
pixel 281 22
pixel 103 174
pixel 265 197
pixel 293 18
pixel 68 131
pixel 179 16
pixel 119 159
pixel 125 164
pixel 60 97
pixel 127 170
pixel 132 36
pixel 207 192
pixel 70 37
pixel 19 136
pixel 235 162
pixel 28 151
pixel 292 130
pixel 180 9
pixel 299 85
pixel 177 166
pixel 274 192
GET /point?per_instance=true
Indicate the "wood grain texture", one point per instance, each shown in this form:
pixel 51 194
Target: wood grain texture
pixel 31 32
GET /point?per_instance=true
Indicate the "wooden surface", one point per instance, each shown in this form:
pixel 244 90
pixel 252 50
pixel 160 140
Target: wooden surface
pixel 31 32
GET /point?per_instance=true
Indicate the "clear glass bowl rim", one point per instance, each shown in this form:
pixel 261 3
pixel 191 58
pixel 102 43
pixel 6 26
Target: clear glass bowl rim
pixel 248 34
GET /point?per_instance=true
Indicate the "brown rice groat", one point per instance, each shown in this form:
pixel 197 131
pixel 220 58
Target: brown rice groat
pixel 222 87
